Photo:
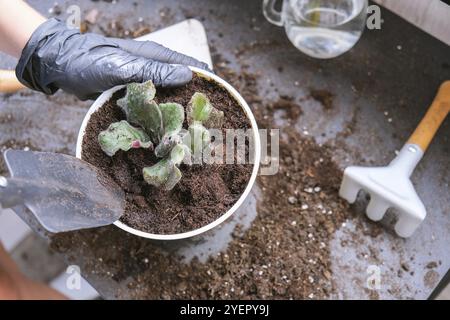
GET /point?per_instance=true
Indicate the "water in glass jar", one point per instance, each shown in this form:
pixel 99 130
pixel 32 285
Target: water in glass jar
pixel 324 29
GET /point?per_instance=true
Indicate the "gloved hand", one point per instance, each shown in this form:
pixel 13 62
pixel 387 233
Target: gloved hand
pixel 57 57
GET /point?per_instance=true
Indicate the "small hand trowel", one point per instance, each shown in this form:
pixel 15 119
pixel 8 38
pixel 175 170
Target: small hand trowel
pixel 63 192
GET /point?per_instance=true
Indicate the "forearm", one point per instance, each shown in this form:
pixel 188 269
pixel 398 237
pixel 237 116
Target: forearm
pixel 17 22
pixel 15 285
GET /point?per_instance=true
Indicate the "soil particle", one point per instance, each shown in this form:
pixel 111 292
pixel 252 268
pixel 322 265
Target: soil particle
pixel 116 28
pixel 405 266
pixel 292 110
pixel 431 265
pixel 166 15
pixel 204 193
pixel 431 278
pixel 324 97
pixel 251 47
pixel 372 294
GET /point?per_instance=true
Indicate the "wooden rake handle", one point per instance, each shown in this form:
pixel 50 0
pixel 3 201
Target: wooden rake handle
pixel 433 119
pixel 9 82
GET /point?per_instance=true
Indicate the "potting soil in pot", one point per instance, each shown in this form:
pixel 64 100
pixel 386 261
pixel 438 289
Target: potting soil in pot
pixel 204 193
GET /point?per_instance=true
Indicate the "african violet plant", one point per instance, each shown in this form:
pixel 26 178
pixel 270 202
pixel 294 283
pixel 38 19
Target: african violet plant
pixel 161 125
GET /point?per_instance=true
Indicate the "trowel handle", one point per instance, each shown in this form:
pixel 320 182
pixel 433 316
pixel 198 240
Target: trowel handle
pixel 433 119
pixel 9 82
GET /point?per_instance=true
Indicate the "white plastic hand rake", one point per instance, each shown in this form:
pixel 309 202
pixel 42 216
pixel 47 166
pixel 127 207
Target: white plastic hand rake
pixel 390 186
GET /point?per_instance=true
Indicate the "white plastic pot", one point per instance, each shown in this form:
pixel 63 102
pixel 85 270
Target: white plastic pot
pixel 105 96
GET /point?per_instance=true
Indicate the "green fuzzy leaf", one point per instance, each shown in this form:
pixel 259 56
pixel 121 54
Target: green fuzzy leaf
pixel 172 117
pixel 201 110
pixel 149 117
pixel 166 144
pixel 174 177
pixel 140 108
pixel 163 175
pixel 122 136
pixel 157 174
pixel 137 93
pixel 180 153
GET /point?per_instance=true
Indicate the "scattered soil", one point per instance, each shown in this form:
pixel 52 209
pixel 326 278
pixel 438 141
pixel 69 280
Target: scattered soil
pixel 431 265
pixel 204 193
pixel 115 28
pixel 284 254
pixel 300 209
pixel 324 97
pixel 249 48
pixel 292 110
pixel 431 278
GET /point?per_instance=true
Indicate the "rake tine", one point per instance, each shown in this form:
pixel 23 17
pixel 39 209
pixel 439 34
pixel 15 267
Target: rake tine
pixel 377 208
pixel 349 189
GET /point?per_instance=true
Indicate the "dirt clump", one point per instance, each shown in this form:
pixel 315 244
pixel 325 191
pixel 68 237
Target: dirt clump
pixel 324 97
pixel 292 110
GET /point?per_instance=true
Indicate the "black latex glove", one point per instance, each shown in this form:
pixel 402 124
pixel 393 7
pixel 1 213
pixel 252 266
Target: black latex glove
pixel 85 65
